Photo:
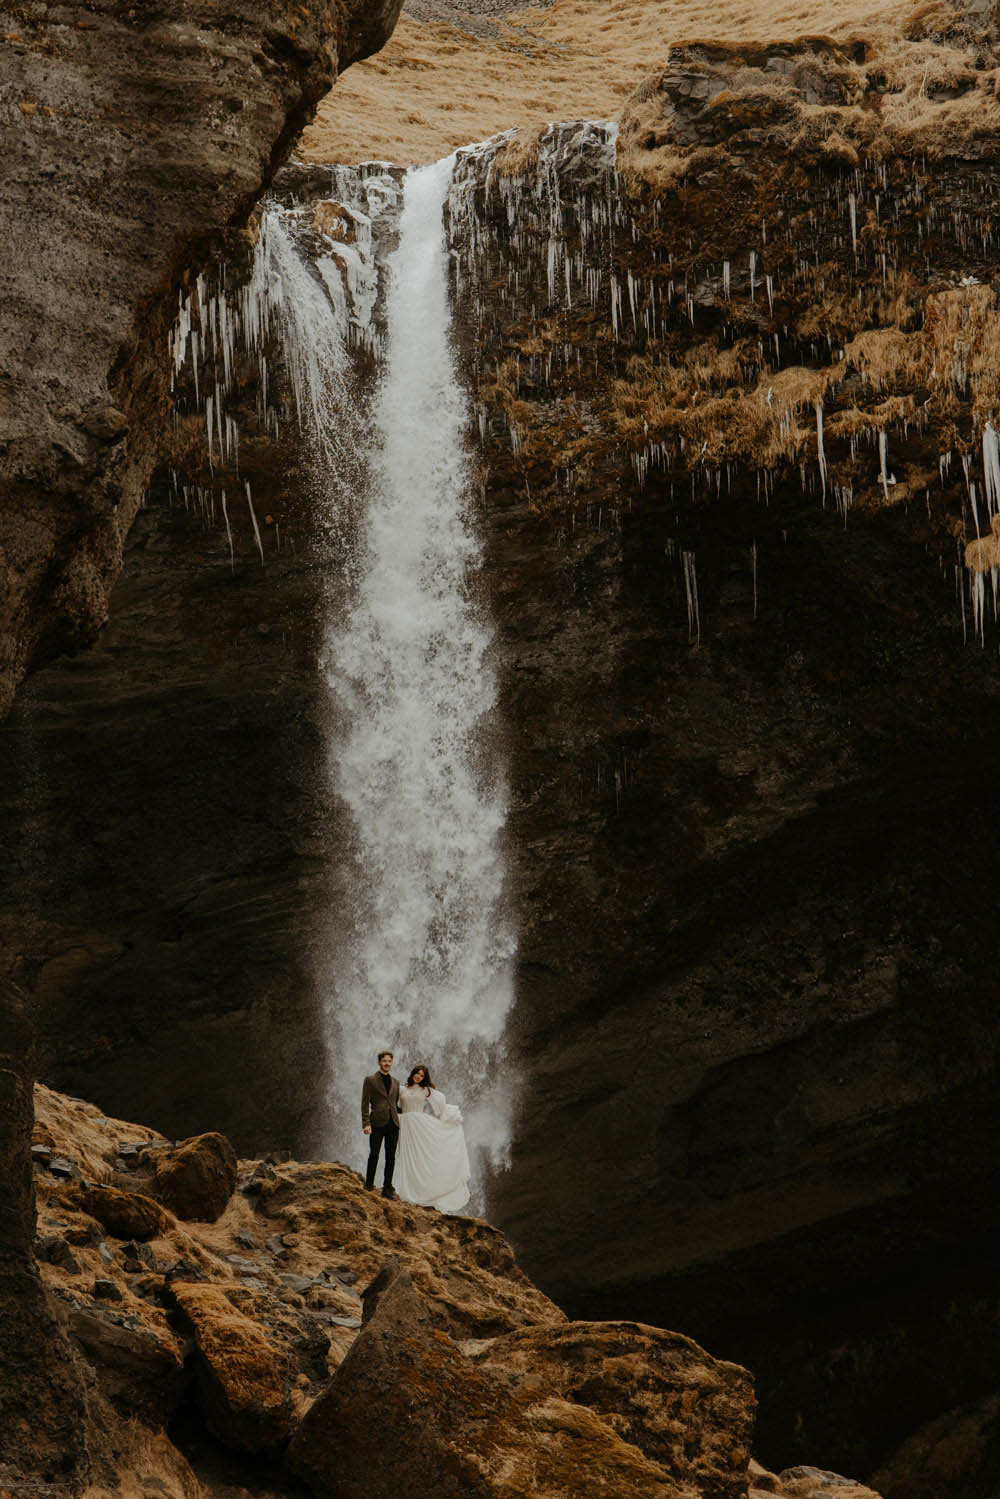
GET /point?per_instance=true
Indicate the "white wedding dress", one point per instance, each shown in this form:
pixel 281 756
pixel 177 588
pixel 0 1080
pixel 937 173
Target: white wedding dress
pixel 432 1162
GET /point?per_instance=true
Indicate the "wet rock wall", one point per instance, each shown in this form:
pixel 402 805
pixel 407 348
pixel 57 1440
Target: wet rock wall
pixel 733 465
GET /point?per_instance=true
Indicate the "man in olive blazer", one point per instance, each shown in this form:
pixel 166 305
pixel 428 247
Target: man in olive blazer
pixel 380 1121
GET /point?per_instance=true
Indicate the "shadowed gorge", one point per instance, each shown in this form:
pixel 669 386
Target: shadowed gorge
pixel 621 739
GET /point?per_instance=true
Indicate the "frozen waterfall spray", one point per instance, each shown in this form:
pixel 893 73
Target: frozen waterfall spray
pixel 427 969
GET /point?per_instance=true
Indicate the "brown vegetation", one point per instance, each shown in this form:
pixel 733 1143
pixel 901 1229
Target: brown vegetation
pixel 434 87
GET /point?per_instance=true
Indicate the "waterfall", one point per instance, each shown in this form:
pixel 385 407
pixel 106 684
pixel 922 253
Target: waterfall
pixel 427 970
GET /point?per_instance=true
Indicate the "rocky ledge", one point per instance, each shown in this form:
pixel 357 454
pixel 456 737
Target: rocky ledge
pixel 241 1326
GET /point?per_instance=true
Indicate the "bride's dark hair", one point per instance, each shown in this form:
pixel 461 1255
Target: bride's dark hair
pixel 428 1081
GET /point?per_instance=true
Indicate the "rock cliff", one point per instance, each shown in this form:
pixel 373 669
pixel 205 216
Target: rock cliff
pixel 737 404
pixel 740 523
pixel 133 136
pixel 311 1328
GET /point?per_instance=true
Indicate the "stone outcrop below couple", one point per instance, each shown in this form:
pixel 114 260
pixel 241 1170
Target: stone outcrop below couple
pixel 261 1298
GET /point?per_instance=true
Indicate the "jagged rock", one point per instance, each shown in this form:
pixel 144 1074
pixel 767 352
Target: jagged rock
pixel 804 1482
pixel 60 1166
pixel 298 1283
pixel 140 1366
pixel 424 1392
pixel 332 1213
pixel 124 1215
pixel 141 1253
pixel 243 1376
pixel 54 1249
pixel 196 1178
pixel 586 1421
pixel 106 1290
pixel 684 1410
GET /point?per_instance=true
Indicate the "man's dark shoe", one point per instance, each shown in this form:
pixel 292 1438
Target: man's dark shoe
pixel 390 1194
pixel 369 1186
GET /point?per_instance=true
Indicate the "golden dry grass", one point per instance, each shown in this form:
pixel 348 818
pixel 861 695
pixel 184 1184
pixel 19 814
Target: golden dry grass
pixel 433 87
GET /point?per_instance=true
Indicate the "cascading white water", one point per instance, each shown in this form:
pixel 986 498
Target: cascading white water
pixel 428 969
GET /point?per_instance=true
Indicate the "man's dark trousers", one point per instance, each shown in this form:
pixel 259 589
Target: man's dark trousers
pixel 390 1134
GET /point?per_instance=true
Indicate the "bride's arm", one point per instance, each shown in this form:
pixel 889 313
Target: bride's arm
pixel 437 1101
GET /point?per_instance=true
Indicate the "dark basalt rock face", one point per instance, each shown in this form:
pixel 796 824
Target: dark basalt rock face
pixel 751 750
pixel 167 912
pixel 135 136
pixel 756 997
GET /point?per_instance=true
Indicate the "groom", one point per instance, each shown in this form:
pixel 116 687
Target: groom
pixel 380 1121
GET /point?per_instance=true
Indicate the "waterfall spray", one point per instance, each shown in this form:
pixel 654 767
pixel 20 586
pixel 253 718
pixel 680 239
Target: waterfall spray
pixel 427 970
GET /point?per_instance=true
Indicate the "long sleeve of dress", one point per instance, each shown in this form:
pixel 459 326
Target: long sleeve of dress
pixel 438 1102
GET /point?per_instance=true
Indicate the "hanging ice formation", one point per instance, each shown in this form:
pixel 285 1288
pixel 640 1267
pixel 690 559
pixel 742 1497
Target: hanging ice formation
pixel 308 293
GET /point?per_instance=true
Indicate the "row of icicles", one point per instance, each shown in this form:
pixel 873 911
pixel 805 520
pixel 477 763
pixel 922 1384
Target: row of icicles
pixel 221 323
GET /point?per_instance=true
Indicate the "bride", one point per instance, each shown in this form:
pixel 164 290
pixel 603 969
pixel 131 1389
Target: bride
pixel 432 1168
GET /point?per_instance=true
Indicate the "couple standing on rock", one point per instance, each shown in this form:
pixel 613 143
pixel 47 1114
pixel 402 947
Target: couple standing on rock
pixel 433 1159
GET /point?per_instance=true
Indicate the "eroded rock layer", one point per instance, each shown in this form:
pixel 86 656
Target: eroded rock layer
pixel 736 393
pixel 737 404
pixel 132 137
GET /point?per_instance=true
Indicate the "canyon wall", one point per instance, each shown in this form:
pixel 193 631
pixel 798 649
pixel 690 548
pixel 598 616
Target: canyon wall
pixel 134 137
pixel 739 531
pixel 734 401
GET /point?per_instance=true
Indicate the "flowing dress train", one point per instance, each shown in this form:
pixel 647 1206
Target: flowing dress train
pixel 432 1163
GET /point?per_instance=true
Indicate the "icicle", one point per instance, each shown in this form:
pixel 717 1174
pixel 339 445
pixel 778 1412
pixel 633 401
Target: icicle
pixel 256 528
pixel 991 467
pixel 820 451
pixel 884 476
pixel 229 534
pixel 691 591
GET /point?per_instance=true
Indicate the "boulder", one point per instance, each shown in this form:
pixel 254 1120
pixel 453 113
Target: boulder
pixel 395 1418
pixel 197 1177
pixel 546 1412
pixel 806 1482
pixel 244 1379
pixel 687 1412
pixel 124 1215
